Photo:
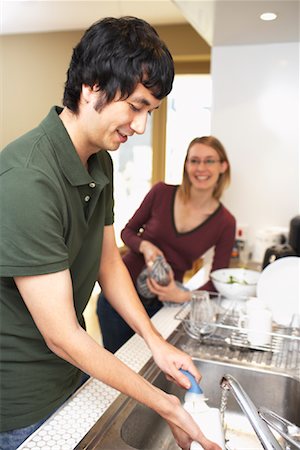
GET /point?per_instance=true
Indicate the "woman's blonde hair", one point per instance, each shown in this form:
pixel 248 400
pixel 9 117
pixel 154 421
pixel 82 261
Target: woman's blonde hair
pixel 224 178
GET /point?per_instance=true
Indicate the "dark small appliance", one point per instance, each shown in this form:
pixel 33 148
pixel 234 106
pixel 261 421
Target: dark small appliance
pixel 277 251
pixel 291 248
pixel 294 234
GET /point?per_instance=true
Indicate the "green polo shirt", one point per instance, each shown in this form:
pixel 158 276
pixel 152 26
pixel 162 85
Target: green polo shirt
pixel 53 212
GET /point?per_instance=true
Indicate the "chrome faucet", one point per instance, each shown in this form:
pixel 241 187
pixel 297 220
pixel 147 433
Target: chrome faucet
pixel 264 434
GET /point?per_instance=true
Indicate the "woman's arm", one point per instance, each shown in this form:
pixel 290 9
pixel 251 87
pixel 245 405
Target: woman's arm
pixel 224 236
pixel 131 235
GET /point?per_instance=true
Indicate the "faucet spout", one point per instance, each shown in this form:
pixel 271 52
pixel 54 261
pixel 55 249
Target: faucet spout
pixel 264 434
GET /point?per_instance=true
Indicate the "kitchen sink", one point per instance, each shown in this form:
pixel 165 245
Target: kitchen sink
pixel 129 425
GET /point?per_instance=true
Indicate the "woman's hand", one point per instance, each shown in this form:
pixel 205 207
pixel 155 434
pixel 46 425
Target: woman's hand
pixel 170 293
pixel 150 252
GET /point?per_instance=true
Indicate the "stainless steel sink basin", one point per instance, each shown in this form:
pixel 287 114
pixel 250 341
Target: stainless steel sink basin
pixel 128 425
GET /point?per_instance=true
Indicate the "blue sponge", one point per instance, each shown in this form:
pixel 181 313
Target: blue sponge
pixel 195 388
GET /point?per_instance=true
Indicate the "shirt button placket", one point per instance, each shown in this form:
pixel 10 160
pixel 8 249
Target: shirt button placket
pixel 92 185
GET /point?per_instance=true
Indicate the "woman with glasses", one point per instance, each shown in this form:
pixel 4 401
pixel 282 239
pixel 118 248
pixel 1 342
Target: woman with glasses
pixel 179 223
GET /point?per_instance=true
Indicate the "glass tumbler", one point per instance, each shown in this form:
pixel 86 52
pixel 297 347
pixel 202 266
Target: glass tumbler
pixel 202 313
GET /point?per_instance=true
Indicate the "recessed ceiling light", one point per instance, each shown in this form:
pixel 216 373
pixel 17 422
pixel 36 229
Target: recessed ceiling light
pixel 268 16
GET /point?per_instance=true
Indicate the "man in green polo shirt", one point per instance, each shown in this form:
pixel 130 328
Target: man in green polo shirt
pixel 57 237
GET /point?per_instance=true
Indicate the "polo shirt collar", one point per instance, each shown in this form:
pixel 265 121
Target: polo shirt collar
pixel 67 155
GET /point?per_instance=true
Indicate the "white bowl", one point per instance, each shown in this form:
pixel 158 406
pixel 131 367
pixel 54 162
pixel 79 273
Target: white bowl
pixel 235 283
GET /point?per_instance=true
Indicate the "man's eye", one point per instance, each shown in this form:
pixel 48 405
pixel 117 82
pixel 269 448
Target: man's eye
pixel 134 108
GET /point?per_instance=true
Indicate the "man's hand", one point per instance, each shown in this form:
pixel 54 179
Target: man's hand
pixel 184 441
pixel 170 359
pixel 184 428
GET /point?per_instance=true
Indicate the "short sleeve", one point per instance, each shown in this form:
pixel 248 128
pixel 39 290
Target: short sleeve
pixel 32 228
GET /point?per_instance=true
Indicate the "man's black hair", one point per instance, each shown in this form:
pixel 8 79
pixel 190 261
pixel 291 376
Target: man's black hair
pixel 115 55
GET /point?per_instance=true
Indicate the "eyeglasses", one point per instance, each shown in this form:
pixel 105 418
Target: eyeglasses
pixel 206 162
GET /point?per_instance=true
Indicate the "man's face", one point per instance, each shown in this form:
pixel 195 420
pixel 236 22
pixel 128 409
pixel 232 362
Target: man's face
pixel 117 120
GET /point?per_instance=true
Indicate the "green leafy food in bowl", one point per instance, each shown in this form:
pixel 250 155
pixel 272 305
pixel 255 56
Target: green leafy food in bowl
pixel 232 280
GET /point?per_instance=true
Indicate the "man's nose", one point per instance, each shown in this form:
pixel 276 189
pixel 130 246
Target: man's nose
pixel 138 125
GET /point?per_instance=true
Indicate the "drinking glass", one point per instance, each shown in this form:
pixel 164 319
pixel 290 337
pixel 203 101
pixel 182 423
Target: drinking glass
pixel 202 313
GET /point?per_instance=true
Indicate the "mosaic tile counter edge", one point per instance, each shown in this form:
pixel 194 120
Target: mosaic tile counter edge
pixel 69 424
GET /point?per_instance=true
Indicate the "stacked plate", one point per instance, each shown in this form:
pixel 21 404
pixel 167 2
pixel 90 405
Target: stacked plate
pixel 279 288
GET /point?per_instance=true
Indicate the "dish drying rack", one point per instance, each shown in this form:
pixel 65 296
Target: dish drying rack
pixel 224 329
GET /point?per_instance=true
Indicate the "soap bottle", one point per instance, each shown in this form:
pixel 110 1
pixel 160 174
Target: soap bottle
pixel 208 419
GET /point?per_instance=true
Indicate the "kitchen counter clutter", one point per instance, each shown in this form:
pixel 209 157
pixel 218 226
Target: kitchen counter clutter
pixel 65 429
pixel 71 423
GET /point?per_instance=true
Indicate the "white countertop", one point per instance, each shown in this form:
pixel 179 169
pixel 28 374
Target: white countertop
pixel 70 423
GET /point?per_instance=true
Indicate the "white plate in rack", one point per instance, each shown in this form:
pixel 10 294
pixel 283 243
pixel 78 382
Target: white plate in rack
pixel 279 287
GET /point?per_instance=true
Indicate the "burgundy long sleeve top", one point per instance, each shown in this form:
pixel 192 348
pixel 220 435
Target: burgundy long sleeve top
pixel 154 221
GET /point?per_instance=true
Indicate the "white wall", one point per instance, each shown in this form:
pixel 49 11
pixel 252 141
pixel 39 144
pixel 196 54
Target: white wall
pixel 256 115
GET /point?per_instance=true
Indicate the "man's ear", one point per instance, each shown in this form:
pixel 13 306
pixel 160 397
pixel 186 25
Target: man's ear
pixel 88 92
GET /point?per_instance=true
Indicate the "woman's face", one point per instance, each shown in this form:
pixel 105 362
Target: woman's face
pixel 203 167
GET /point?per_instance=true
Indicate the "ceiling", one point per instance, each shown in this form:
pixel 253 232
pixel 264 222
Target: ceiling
pixel 235 22
pixel 219 22
pixel 57 15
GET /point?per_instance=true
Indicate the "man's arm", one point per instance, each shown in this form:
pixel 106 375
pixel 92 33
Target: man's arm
pixel 118 288
pixel 50 302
